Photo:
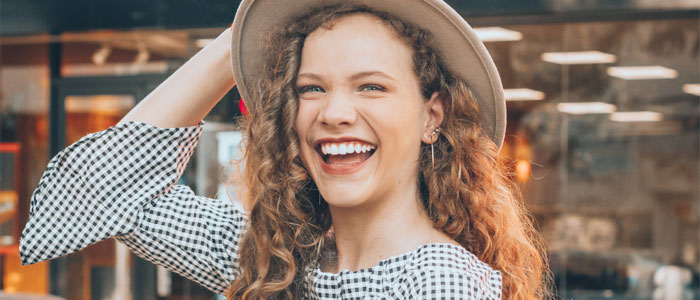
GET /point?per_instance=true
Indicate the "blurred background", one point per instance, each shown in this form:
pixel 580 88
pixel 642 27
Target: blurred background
pixel 603 131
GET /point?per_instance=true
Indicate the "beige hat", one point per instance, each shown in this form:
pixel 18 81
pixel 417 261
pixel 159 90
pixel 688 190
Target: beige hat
pixel 461 50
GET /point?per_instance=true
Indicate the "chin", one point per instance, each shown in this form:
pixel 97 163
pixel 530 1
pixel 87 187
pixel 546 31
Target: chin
pixel 344 194
pixel 348 189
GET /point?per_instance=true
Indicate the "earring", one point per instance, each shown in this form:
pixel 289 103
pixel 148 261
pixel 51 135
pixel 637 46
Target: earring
pixel 432 156
pixel 432 148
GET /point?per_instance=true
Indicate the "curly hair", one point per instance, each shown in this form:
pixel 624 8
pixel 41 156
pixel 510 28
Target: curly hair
pixel 467 193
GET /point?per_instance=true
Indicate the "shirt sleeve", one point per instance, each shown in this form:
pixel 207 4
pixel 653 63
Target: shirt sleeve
pixel 120 182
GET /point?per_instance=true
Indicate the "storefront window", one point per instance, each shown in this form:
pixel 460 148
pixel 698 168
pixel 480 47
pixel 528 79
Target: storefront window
pixel 605 143
pixel 24 148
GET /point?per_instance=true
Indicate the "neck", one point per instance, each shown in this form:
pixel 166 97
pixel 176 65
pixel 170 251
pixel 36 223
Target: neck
pixel 380 229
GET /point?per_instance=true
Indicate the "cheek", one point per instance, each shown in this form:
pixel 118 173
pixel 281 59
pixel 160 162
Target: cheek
pixel 303 121
pixel 399 121
pixel 302 125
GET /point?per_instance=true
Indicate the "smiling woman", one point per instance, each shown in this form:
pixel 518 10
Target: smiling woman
pixel 371 166
pixel 426 175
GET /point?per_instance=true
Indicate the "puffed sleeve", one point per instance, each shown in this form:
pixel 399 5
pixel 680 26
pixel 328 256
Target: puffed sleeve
pixel 120 182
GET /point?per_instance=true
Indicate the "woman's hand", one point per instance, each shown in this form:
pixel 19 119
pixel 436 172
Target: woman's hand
pixel 192 91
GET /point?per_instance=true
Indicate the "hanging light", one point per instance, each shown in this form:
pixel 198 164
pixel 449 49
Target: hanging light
pixel 101 54
pixel 643 72
pixel 523 95
pixel 585 108
pixel 523 170
pixel 636 116
pixel 497 34
pixel 692 88
pixel 143 55
pixel 578 58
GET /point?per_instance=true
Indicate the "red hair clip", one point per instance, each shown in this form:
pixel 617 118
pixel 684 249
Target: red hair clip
pixel 242 108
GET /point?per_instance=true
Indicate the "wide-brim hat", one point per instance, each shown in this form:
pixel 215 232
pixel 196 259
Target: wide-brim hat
pixel 458 45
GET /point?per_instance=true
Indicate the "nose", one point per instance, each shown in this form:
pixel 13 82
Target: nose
pixel 338 111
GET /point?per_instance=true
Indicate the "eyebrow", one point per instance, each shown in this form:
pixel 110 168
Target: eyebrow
pixel 371 73
pixel 310 75
pixel 355 76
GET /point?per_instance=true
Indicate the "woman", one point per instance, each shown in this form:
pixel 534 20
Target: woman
pixel 370 172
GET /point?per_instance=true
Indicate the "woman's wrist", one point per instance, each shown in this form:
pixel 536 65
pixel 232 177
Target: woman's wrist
pixel 221 50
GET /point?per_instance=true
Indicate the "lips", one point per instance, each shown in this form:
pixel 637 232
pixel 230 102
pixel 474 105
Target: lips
pixel 344 156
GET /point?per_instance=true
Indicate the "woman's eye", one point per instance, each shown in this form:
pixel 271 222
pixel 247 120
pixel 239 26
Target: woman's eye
pixel 309 88
pixel 372 87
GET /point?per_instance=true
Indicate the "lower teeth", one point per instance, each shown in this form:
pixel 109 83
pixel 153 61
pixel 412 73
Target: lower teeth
pixel 346 160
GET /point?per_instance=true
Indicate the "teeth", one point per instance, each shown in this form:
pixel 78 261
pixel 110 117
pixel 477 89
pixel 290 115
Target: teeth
pixel 334 149
pixel 345 148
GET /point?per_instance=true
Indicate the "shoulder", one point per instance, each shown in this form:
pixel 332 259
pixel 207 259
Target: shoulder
pixel 445 271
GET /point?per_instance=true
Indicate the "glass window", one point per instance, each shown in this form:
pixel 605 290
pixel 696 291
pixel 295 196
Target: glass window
pixel 24 148
pixel 603 128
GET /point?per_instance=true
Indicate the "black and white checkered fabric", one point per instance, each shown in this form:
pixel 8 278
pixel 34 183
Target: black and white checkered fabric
pixel 121 182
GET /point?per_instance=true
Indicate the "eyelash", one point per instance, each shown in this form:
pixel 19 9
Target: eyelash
pixel 374 85
pixel 308 88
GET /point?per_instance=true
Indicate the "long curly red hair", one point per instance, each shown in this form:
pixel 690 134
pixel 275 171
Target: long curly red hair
pixel 467 193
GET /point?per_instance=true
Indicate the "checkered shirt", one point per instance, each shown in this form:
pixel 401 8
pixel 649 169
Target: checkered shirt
pixel 121 182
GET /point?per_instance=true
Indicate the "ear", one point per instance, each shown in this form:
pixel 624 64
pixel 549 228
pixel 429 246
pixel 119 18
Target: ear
pixel 436 113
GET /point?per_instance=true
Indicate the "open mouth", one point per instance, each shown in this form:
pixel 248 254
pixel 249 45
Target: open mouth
pixel 345 154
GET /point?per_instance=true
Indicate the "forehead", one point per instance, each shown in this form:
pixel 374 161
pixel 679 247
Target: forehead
pixel 357 41
pixel 357 21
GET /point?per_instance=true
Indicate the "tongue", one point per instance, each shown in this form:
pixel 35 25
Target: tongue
pixel 348 159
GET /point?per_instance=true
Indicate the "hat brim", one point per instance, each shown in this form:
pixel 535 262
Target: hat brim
pixel 459 47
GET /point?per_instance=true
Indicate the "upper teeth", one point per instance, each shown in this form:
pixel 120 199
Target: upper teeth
pixel 345 148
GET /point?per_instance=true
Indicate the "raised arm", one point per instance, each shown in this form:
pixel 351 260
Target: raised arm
pixel 121 182
pixel 190 93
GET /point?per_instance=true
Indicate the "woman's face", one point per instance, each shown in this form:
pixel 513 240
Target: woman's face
pixel 361 115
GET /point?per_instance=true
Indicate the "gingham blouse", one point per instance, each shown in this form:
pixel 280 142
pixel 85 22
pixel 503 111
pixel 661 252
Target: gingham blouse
pixel 121 182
